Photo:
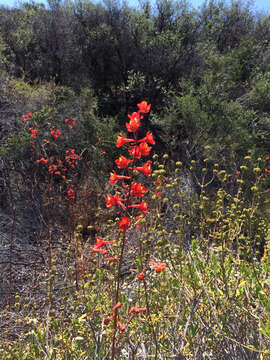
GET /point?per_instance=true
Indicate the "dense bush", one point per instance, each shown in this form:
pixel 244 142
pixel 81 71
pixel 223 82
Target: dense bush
pixel 216 58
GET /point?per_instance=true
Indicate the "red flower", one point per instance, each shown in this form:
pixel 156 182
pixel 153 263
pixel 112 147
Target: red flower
pixel 122 162
pixel 114 259
pixel 70 194
pixel 27 117
pixel 146 168
pixel 134 122
pixel 100 242
pixel 138 190
pixel 121 140
pixel 114 177
pixel 52 168
pixel 56 133
pixel 142 206
pixel 44 161
pixel 135 152
pixel 136 310
pixel 106 321
pixel 145 148
pixel 141 275
pixel 148 138
pixel 112 200
pixel 121 327
pixel 124 223
pixel 158 266
pixel 144 107
pixel 117 306
pixel 101 251
pixel 33 132
pixel 73 121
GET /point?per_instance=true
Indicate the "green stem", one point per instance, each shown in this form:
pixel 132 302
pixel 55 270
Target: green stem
pixel 117 294
pixel 150 318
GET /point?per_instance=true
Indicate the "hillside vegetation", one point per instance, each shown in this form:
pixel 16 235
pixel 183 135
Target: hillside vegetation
pixel 134 181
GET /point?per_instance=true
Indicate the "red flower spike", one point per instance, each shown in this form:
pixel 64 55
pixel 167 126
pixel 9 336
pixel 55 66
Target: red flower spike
pixel 146 168
pixel 121 140
pixel 114 177
pixel 124 223
pixel 122 162
pixel 30 114
pixel 141 275
pixel 144 107
pixel 117 306
pixel 148 138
